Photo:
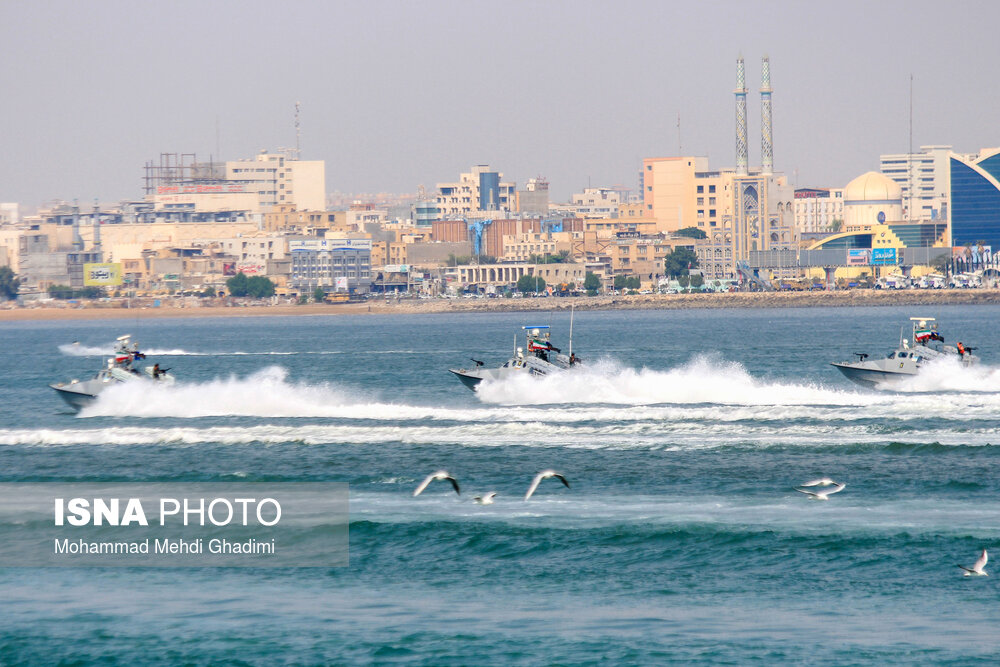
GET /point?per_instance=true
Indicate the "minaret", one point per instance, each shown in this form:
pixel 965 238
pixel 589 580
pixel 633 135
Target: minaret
pixel 77 239
pixel 97 227
pixel 741 118
pixel 766 150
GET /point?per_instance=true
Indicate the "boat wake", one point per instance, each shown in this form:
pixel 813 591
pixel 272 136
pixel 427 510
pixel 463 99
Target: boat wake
pixel 702 392
pixel 79 350
pixel 949 374
pixel 704 379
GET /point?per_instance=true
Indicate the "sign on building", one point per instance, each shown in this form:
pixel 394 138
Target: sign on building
pixel 101 275
pixel 252 269
pixel 859 256
pixel 883 256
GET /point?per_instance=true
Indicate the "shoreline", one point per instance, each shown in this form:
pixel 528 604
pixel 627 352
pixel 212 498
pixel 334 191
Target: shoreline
pixel 843 299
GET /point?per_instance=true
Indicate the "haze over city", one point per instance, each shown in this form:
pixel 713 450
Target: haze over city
pixel 394 95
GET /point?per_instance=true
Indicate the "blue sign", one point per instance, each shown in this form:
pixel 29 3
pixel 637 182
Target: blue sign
pixel 883 256
pixel 881 217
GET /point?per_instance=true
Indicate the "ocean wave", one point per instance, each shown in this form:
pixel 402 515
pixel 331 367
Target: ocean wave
pixel 649 436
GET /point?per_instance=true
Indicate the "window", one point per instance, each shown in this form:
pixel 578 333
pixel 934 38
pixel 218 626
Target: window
pixel 711 212
pixel 711 189
pixel 711 201
pixel 701 189
pixel 701 201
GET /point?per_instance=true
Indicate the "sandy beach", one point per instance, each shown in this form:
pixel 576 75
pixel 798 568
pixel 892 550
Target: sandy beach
pixel 409 306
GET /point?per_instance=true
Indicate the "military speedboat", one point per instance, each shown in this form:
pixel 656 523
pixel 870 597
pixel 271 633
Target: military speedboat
pixel 537 358
pixel 121 367
pixel 906 360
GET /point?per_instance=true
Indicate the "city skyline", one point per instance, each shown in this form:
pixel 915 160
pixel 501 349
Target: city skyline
pixel 394 96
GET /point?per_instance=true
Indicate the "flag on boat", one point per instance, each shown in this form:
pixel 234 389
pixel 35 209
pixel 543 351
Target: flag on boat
pixel 923 335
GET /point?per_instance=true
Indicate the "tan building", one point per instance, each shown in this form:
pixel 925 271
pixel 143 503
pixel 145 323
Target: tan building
pixel 287 218
pixel 389 252
pixel 534 199
pixel 668 190
pixel 521 247
pixel 507 275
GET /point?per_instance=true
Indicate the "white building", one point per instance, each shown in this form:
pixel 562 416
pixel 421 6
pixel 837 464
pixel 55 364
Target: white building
pixel 818 210
pixel 924 179
pixel 9 213
pixel 599 202
pixel 279 179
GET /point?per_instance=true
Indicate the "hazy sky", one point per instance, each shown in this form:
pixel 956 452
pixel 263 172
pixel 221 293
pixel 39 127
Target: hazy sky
pixel 398 94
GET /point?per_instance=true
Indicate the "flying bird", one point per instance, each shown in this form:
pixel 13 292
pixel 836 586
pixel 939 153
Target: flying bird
pixel 824 494
pixel 822 481
pixel 545 474
pixel 440 474
pixel 486 498
pixel 977 569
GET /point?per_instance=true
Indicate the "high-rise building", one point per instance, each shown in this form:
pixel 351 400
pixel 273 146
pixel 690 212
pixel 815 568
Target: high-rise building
pixel 975 199
pixel 480 190
pixel 923 179
pixel 280 179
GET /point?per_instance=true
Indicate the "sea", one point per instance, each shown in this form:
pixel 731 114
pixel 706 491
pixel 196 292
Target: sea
pixel 680 539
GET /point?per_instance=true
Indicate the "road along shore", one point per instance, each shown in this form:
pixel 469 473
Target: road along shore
pixel 381 306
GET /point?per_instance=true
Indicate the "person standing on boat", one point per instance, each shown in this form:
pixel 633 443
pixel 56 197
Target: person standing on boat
pixel 961 349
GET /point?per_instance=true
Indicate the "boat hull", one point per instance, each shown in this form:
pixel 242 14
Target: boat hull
pixel 76 396
pixel 872 377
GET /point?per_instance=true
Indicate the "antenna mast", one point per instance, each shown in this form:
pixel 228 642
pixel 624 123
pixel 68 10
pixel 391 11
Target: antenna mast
pixel 909 159
pixel 298 134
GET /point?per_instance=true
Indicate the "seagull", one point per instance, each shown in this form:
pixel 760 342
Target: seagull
pixel 486 498
pixel 440 474
pixel 823 495
pixel 822 481
pixel 545 474
pixel 977 569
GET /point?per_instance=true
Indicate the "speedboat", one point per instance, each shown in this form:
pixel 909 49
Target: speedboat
pixel 121 367
pixel 537 358
pixel 906 361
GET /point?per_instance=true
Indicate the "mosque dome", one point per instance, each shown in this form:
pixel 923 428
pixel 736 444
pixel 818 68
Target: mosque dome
pixel 872 187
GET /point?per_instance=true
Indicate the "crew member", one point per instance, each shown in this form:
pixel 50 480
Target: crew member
pixel 961 349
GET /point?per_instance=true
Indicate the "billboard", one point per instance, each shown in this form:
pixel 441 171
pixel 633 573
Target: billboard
pixel 102 274
pixel 250 269
pixel 883 256
pixel 859 256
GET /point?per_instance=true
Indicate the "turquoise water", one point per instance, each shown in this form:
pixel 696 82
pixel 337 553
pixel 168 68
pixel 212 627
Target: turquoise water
pixel 680 539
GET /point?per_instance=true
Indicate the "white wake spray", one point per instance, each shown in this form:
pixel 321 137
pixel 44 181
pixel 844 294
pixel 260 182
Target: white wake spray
pixel 947 374
pixel 702 380
pixel 80 350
